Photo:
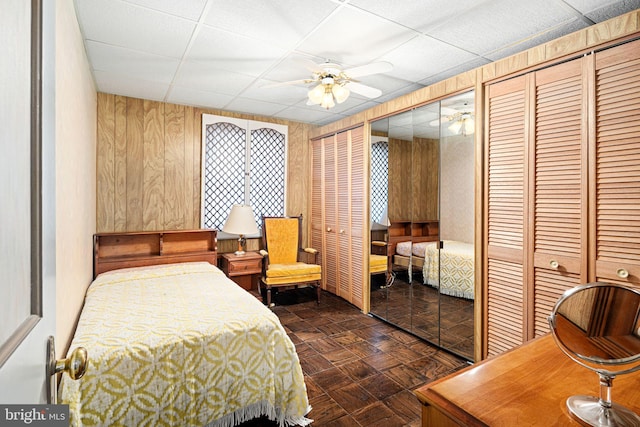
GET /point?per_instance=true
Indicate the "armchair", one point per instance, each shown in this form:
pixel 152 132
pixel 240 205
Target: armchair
pixel 285 263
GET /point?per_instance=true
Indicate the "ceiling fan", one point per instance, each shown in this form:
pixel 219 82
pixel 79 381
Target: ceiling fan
pixel 332 84
pixel 460 117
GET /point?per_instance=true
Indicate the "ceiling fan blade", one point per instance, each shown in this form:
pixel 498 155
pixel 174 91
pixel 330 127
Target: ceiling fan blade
pixel 364 90
pixel 448 111
pixel 308 64
pixel 291 82
pixel 365 70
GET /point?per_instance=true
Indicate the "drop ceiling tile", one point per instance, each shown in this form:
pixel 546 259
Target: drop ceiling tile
pixel 234 53
pixel 466 66
pixel 428 57
pixel 407 88
pixel 288 94
pixel 261 108
pixel 420 15
pixel 124 85
pixel 190 96
pixel 283 23
pixel 126 25
pixel 205 76
pixel 138 65
pixel 294 66
pixel 361 107
pixel 353 37
pixel 498 24
pixel 308 115
pixel 191 9
pixel 527 43
pixel 608 12
pixel 588 6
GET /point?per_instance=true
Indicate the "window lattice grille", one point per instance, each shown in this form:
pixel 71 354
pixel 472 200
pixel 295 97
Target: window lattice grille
pixel 267 173
pixel 242 167
pixel 379 179
pixel 224 171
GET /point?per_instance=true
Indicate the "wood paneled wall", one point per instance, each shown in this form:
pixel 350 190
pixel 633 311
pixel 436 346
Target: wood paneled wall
pixel 399 194
pixel 148 165
pixel 425 183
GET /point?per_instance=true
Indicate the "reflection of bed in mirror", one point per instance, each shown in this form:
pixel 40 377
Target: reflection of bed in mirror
pixel 453 274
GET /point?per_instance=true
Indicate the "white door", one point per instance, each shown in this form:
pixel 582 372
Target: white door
pixel 22 374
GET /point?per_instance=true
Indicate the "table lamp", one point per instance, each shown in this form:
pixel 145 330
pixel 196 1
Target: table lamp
pixel 241 221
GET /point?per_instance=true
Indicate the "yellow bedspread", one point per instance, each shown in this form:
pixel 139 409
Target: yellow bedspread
pixel 181 345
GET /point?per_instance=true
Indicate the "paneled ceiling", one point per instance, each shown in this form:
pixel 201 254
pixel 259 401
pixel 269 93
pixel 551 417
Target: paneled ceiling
pixel 221 54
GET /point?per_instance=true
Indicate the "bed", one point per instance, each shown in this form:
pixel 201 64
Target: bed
pixel 172 341
pixel 451 269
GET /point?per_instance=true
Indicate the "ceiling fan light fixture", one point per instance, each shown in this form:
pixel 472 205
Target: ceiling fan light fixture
pixel 456 126
pixel 469 126
pixel 316 95
pixel 340 92
pixel 327 99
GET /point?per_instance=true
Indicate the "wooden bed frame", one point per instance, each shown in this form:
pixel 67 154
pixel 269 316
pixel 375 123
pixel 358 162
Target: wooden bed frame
pixel 112 251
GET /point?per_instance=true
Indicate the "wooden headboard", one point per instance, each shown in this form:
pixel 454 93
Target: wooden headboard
pixel 112 251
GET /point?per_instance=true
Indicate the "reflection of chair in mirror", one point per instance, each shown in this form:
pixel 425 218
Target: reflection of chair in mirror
pixel 596 325
pixel 286 264
pixel 379 262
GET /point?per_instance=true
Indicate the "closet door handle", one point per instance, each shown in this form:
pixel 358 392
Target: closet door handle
pixel 554 264
pixel 622 273
pixel 341 231
pixel 328 229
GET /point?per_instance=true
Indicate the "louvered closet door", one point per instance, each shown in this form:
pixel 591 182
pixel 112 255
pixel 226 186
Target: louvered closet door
pixel 350 215
pixel 343 233
pixel 505 186
pixel 616 171
pixel 331 250
pixel 317 201
pixel 356 214
pixel 559 207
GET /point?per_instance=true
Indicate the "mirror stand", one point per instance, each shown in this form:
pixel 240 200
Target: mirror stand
pixel 602 412
pixel 596 325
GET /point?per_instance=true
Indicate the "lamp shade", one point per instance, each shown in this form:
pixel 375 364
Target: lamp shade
pixel 240 221
pixel 384 219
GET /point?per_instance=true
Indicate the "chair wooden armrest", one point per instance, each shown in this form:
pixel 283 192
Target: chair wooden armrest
pixel 265 260
pixel 308 253
pixel 378 247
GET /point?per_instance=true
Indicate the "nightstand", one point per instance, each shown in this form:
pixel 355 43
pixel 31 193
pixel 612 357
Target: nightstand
pixel 243 269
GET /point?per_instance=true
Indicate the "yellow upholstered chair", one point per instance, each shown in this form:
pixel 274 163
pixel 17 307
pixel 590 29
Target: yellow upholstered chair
pixel 286 264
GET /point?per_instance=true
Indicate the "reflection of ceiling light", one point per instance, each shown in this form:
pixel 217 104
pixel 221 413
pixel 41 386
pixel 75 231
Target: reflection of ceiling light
pixel 462 124
pixel 328 92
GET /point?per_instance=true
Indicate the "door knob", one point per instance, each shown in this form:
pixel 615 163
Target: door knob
pixel 75 365
pixel 554 264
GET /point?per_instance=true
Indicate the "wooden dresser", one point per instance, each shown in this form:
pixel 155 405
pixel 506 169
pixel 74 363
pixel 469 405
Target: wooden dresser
pixel 527 386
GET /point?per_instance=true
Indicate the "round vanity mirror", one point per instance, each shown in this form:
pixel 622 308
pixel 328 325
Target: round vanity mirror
pixel 598 326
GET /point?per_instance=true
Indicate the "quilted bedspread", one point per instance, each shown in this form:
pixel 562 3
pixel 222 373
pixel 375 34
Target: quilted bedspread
pixel 453 274
pixel 181 345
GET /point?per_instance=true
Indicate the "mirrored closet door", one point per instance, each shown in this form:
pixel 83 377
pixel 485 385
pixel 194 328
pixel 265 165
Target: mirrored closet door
pixel 422 167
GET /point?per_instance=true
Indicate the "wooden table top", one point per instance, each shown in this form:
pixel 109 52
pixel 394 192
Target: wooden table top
pixel 526 386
